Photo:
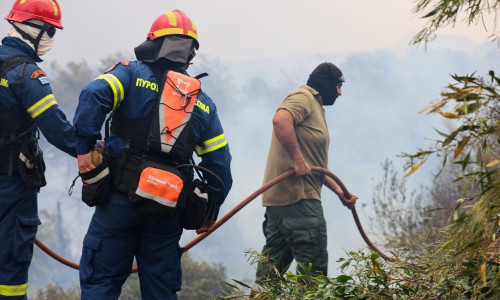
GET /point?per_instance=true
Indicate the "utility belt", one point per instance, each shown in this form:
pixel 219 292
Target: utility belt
pixel 24 158
pixel 152 188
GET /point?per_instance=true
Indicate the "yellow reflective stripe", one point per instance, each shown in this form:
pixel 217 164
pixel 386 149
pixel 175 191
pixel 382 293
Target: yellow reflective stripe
pixel 212 144
pixel 42 105
pixel 168 31
pixel 172 20
pixel 117 87
pixel 13 290
pixel 193 34
pixel 56 11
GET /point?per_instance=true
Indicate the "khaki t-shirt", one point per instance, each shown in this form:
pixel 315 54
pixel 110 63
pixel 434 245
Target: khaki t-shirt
pixel 312 135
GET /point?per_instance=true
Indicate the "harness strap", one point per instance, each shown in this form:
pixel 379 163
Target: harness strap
pixel 11 62
pixel 20 77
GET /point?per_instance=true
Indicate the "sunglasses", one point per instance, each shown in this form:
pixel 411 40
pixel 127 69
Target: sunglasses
pixel 51 30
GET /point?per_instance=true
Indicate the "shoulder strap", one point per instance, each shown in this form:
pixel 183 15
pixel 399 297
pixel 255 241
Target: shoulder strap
pixel 11 62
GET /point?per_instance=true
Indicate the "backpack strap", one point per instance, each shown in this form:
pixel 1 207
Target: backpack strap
pixel 11 62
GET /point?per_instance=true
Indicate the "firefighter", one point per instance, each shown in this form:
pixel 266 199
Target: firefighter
pixel 26 106
pixel 131 92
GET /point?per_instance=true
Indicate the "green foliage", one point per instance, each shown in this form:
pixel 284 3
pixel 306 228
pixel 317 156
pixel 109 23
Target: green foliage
pixel 442 13
pixel 474 102
pixel 296 286
pixel 463 257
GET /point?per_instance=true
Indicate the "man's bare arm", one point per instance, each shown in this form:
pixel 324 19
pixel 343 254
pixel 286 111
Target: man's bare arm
pixel 285 132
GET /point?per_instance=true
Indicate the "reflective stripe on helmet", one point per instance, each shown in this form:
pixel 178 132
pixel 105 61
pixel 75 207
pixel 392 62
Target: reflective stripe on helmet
pixel 116 86
pixel 211 144
pixel 42 105
pixel 168 31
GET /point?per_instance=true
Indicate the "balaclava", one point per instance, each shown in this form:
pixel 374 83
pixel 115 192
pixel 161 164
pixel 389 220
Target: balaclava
pixel 35 36
pixel 167 53
pixel 324 79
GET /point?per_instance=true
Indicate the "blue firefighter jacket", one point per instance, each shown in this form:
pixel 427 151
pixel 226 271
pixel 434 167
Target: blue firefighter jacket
pixel 132 89
pixel 34 96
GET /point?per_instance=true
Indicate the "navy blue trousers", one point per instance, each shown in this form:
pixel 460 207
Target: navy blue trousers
pixel 18 226
pixel 115 236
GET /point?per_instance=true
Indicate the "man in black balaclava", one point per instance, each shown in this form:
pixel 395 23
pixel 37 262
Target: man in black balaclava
pixel 294 226
pixel 327 79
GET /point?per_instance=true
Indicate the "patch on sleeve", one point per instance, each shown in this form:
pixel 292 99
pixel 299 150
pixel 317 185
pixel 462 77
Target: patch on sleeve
pixel 125 63
pixel 44 80
pixel 37 73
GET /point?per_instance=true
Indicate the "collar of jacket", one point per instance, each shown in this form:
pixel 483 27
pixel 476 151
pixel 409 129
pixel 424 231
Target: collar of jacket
pixel 21 48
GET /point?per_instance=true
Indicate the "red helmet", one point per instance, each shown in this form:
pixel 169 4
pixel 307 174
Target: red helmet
pixel 44 10
pixel 173 22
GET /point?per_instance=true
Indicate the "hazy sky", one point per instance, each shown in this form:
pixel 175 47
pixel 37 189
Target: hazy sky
pixel 239 30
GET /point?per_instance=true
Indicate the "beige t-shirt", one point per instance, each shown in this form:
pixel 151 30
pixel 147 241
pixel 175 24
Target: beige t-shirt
pixel 312 135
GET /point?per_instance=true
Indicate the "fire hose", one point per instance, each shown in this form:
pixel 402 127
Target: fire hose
pixel 237 208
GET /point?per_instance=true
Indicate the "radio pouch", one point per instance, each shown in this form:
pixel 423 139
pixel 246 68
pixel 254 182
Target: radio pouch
pixel 158 190
pixel 195 214
pixel 31 166
pixel 96 187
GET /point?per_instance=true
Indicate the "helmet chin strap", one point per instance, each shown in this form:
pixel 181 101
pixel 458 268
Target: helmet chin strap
pixel 34 41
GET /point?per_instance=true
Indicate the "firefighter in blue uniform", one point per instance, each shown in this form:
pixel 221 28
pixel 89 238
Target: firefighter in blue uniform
pixel 26 103
pixel 117 233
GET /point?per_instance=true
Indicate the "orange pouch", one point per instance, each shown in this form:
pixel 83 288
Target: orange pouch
pixel 158 190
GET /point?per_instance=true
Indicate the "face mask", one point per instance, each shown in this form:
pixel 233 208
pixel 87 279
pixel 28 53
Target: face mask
pixel 325 87
pixel 29 32
pixel 46 43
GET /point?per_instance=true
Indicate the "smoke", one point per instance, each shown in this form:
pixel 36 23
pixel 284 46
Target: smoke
pixel 375 118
